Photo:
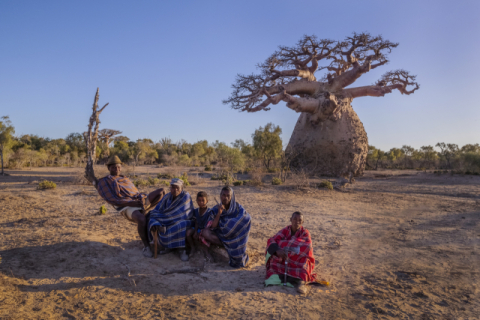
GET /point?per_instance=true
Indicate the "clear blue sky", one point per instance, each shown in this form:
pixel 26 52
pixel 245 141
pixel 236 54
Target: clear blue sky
pixel 165 66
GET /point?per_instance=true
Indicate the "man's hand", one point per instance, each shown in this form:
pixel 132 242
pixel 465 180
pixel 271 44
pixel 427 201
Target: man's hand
pixel 281 254
pixel 137 203
pixel 195 236
pixel 220 208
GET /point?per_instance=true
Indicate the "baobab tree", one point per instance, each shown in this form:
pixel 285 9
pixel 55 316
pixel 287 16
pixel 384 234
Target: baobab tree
pixel 105 136
pixel 328 138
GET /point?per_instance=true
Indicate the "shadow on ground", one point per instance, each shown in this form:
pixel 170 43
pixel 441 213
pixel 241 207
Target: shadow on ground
pixel 69 265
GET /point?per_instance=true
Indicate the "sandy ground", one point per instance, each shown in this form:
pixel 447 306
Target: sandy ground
pixel 395 245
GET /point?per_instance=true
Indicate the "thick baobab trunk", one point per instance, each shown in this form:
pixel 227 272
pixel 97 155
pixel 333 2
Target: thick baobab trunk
pixel 337 146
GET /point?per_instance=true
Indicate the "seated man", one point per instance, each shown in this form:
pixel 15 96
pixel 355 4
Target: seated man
pixel 291 249
pixel 122 194
pixel 171 220
pixel 229 226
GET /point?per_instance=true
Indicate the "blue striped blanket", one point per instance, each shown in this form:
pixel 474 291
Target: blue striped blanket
pixel 175 215
pixel 233 229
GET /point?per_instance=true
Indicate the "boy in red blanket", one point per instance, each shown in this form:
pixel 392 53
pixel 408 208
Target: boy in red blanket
pixel 292 245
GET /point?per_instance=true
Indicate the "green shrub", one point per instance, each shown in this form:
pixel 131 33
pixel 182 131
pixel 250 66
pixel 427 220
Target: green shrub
pixel 45 184
pixel 184 177
pixel 219 176
pixel 164 176
pixel 228 181
pixel 238 183
pixel 164 183
pixel 272 170
pixel 208 168
pixel 140 183
pixel 276 181
pixel 153 181
pixel 103 209
pixel 326 184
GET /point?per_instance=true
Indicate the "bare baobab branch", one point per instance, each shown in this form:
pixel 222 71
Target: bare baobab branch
pixel 292 69
pixel 398 79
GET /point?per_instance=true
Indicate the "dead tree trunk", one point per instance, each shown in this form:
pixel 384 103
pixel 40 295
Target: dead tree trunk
pixel 91 137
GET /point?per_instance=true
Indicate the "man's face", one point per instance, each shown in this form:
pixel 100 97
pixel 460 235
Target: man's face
pixel 115 169
pixel 202 202
pixel 297 221
pixel 225 197
pixel 175 190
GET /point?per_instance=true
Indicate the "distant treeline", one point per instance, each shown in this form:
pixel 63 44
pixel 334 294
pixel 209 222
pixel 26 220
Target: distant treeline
pixel 265 151
pixel 31 151
pixel 446 156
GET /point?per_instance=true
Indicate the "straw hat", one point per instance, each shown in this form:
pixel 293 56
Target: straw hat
pixel 114 160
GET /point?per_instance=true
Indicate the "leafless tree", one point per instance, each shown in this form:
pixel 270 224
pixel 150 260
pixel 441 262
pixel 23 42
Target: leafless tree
pixel 91 137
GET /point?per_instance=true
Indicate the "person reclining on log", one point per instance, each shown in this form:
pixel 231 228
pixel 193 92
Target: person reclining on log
pixel 290 248
pixel 122 194
pixel 229 226
pixel 171 219
pixel 202 216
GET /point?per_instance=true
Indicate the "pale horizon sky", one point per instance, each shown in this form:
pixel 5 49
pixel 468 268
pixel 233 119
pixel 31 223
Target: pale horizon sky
pixel 165 67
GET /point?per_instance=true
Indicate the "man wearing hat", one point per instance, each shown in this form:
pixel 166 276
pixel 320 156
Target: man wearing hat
pixel 122 194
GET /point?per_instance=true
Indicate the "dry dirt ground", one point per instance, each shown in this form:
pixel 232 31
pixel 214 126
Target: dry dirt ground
pixel 395 245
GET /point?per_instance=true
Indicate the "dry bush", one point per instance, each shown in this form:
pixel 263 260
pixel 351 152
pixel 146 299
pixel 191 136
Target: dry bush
pixel 299 178
pixel 194 179
pixel 256 175
pixel 100 171
pixel 79 179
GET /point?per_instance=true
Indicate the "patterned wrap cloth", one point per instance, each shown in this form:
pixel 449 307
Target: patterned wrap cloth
pixel 202 222
pixel 300 265
pixel 175 215
pixel 233 229
pixel 118 191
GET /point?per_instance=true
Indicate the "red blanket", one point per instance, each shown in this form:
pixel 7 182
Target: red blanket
pixel 300 265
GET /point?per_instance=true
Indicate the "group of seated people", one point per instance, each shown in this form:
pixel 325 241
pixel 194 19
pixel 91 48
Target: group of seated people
pixel 172 217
